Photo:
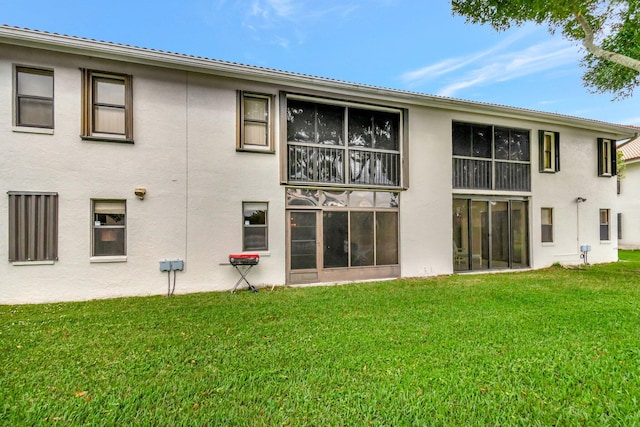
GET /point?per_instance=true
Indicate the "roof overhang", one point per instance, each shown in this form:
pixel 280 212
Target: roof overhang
pixel 118 52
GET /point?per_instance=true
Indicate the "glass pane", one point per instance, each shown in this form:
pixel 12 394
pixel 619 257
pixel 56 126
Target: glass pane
pixel 500 242
pixel 361 247
pixel 387 200
pixel 519 145
pixel 461 139
pixel 546 216
pixel 35 112
pixel 108 120
pixel 301 118
pixel 108 219
pixel 520 235
pixel 386 238
pixel 460 234
pixel 335 239
pixel 361 199
pixel 360 128
pixel 108 241
pixel 481 141
pixel 302 228
pixel 547 233
pixel 256 109
pixel 35 83
pixel 330 124
pixel 255 213
pixel 300 197
pixel 109 91
pixel 501 140
pixel 255 238
pixel 386 131
pixel 335 198
pixel 479 235
pixel 255 134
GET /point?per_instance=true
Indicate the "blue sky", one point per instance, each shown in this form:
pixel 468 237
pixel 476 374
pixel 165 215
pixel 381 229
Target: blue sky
pixel 412 45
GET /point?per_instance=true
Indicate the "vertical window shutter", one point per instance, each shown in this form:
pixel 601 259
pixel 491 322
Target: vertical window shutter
pixel 613 157
pixel 541 150
pixel 557 149
pixel 600 148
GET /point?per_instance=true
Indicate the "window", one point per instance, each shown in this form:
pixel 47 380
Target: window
pixel 606 157
pixel 604 224
pixel 490 158
pixel 33 226
pixel 331 143
pixel 107 106
pixel 109 228
pixel 255 235
pixel 547 225
pixel 34 98
pixel 619 226
pixel 255 129
pixel 549 150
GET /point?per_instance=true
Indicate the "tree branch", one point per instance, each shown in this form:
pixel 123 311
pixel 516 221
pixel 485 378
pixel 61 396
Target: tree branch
pixel 595 50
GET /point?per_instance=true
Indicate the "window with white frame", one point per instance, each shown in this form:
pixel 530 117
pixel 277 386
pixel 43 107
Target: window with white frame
pixel 109 228
pixel 549 150
pixel 546 222
pixel 107 106
pixel 604 224
pixel 255 126
pixel 34 97
pixel 255 229
pixel 33 226
pixel 606 157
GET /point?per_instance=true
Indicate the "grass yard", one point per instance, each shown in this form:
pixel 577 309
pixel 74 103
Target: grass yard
pixel 551 347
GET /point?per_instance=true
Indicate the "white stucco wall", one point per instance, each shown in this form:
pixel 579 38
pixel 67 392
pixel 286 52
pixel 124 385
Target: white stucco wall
pixel 185 156
pixel 629 206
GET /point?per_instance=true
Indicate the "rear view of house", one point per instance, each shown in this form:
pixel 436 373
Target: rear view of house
pixel 118 158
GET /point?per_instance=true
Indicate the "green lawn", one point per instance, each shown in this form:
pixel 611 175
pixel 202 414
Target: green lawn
pixel 552 347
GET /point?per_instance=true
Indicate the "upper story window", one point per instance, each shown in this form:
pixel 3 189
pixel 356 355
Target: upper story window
pixel 33 226
pixel 107 106
pixel 549 150
pixel 255 126
pixel 331 143
pixel 489 157
pixel 34 98
pixel 606 157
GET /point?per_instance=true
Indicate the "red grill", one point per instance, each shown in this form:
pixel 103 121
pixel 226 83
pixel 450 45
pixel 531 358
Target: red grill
pixel 244 262
pixel 244 259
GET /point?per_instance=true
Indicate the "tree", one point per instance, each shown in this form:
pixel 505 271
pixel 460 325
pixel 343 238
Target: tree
pixel 609 30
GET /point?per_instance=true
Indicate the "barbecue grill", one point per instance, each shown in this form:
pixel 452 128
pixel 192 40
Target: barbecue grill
pixel 243 263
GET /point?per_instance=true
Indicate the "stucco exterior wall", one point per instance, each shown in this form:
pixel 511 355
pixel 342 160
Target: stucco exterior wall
pixel 629 206
pixel 185 126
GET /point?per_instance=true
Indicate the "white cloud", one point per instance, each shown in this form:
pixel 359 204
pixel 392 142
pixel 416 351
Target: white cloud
pixel 503 62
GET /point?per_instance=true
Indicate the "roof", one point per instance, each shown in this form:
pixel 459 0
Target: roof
pixel 97 48
pixel 631 150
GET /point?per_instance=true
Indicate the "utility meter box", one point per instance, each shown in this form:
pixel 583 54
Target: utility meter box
pixel 165 265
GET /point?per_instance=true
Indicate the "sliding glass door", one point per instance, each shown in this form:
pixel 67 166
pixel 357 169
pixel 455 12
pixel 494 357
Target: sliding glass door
pixel 490 234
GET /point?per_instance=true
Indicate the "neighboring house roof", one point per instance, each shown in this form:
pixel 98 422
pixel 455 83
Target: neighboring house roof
pixel 631 150
pixel 107 50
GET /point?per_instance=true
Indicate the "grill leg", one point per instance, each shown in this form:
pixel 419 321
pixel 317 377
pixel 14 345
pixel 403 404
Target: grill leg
pixel 243 277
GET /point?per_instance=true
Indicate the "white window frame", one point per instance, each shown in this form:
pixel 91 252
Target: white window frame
pixel 118 207
pixel 605 221
pixel 247 225
pixel 549 224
